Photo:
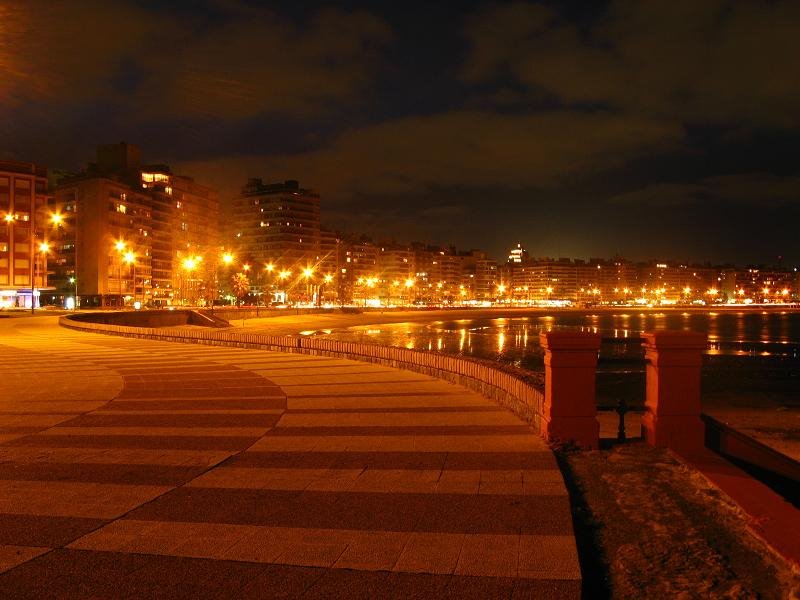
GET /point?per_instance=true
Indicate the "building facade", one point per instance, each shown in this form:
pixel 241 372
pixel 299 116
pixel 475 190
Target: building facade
pixel 276 223
pixel 126 232
pixel 23 243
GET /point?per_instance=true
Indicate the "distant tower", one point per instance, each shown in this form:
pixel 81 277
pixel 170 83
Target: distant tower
pixel 518 254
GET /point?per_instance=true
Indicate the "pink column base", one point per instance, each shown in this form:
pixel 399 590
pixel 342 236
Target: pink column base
pixel 680 432
pixel 581 431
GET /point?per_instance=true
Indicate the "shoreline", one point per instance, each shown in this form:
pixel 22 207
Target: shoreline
pixel 294 324
pixel 769 424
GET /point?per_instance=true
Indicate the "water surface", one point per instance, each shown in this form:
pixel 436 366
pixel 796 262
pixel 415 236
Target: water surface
pixel 753 357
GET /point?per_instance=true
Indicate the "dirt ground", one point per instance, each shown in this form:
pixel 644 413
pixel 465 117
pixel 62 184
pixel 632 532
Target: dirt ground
pixel 650 527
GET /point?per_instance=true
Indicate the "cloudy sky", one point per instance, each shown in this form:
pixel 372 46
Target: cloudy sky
pixel 648 129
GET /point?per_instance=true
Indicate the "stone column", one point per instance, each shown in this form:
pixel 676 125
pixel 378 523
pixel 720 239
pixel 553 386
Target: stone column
pixel 570 403
pixel 672 404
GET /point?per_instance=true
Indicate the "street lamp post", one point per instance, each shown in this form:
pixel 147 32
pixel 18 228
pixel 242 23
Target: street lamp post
pixel 270 269
pixel 227 261
pixel 11 221
pixel 33 257
pixel 44 248
pixel 130 259
pixel 283 276
pixel 308 273
pixel 120 246
pixel 189 264
pixel 409 285
pixel 74 282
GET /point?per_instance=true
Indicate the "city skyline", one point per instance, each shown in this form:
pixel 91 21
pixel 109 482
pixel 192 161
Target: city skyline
pixel 582 131
pixel 138 233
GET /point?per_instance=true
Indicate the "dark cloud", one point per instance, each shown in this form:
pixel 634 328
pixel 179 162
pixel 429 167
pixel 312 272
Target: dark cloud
pixel 67 52
pixel 713 61
pixel 461 149
pixel 753 189
pixel 498 122
pixel 257 62
pixel 158 64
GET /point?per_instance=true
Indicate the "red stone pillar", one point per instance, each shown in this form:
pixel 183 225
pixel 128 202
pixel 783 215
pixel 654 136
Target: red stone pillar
pixel 570 372
pixel 672 404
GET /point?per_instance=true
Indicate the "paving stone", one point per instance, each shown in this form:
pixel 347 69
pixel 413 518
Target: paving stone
pixel 158 469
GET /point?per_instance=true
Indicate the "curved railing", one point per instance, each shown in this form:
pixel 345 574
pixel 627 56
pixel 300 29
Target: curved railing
pixel 520 391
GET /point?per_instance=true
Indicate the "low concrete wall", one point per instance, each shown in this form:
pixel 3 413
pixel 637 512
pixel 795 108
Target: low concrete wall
pixel 777 470
pixel 150 318
pixel 519 391
pixel 232 313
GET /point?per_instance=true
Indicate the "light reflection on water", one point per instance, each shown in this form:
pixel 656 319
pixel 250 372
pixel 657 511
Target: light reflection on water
pixel 746 351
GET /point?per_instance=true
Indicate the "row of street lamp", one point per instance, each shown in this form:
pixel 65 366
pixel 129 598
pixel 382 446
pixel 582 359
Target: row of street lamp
pixel 56 219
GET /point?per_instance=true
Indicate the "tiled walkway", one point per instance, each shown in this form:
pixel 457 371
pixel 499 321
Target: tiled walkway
pixel 133 468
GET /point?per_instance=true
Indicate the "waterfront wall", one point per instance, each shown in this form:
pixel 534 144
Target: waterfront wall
pixel 150 318
pixel 520 391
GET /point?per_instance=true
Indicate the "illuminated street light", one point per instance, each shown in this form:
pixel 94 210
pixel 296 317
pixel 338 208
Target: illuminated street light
pixel 189 264
pixel 44 247
pixel 130 259
pixel 409 283
pixel 119 245
pixel 9 218
pixel 283 275
pixel 269 267
pixel 328 278
pixel 56 219
pixel 308 272
pixel 227 258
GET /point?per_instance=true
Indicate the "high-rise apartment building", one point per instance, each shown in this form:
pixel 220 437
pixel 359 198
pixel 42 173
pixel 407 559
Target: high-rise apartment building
pixel 359 270
pixel 185 235
pixel 396 273
pixel 23 198
pixel 132 232
pixel 276 223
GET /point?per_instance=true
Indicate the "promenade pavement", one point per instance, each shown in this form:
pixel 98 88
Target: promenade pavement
pixel 134 468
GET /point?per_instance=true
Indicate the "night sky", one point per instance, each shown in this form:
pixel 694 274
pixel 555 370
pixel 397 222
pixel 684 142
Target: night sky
pixel 648 129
